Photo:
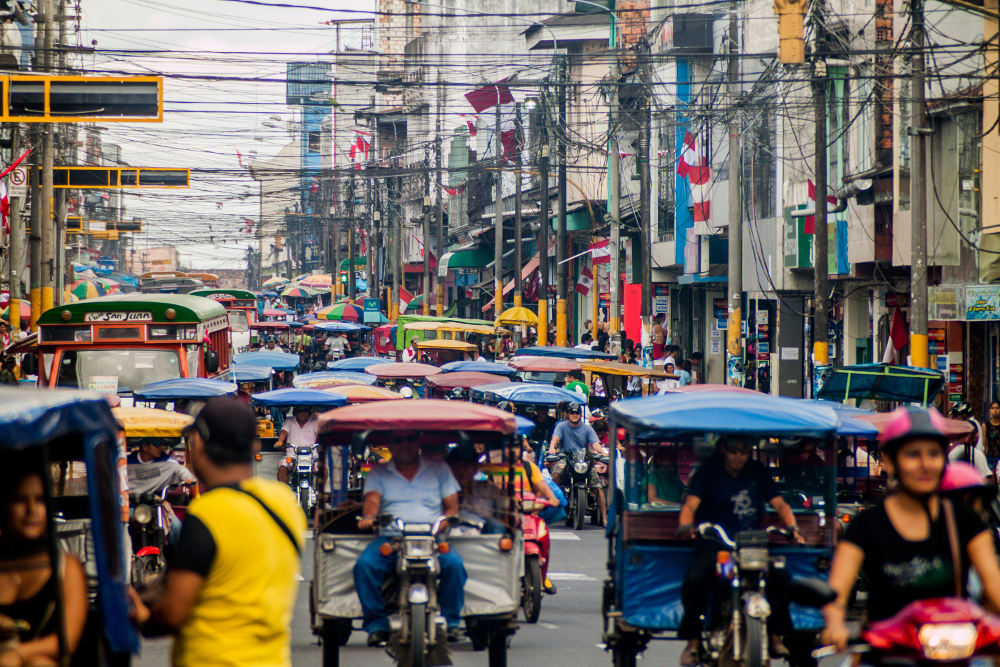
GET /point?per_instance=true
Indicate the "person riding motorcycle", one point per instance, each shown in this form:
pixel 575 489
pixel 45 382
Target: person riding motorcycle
pixel 338 345
pixel 300 431
pixel 579 436
pixel 416 490
pixel 903 544
pixel 151 469
pixel 730 489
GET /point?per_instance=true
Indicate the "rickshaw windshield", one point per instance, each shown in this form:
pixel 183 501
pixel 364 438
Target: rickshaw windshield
pixel 128 368
pixel 239 321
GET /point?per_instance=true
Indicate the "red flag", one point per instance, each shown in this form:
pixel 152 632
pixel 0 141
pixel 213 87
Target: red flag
pixel 509 142
pixel 433 260
pixel 453 191
pixel 4 207
pixel 404 296
pixel 16 162
pixel 489 96
pixel 239 157
pixel 585 281
pixel 471 124
pixel 809 226
pixel 898 331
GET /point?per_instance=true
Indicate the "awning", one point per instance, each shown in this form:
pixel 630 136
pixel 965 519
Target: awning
pixel 358 261
pixel 466 258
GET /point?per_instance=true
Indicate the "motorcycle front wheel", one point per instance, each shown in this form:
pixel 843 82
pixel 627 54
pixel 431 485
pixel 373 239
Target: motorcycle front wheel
pixel 531 602
pixel 581 508
pixel 418 618
pixel 756 642
pixel 304 499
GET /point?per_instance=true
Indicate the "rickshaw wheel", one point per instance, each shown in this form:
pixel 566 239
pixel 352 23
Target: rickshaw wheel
pixel 624 651
pixel 334 635
pixel 581 508
pixel 418 618
pixel 498 648
pixel 531 601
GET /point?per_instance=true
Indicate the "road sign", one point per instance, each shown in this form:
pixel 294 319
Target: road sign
pixel 17 184
pixel 373 310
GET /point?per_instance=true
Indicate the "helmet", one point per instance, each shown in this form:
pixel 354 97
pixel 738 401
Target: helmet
pixel 458 393
pixel 596 415
pixel 506 406
pixel 909 423
pixel 961 476
pixel 961 410
pixel 406 391
pixel 271 339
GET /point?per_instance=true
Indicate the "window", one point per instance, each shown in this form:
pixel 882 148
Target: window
pixel 314 142
pixel 666 193
pixel 238 321
pixel 86 369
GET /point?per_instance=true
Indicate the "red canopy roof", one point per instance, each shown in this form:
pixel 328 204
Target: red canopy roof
pixel 463 379
pixel 955 428
pixel 417 415
pixel 402 370
pixel 544 364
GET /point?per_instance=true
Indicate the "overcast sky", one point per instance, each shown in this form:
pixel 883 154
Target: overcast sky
pixel 206 122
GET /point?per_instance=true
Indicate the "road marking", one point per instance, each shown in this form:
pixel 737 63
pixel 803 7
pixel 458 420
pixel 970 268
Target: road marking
pixel 549 626
pixel 563 536
pixel 570 576
pixel 299 577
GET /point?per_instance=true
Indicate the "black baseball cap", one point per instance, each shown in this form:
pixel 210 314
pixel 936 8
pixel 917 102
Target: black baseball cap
pixel 228 428
pixel 574 408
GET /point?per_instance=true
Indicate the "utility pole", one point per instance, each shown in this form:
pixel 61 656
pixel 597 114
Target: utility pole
pixel 14 245
pixel 734 335
pixel 351 282
pixel 47 230
pixel 518 255
pixel 543 237
pixel 426 305
pixel 35 235
pixel 644 240
pixel 614 212
pixel 59 223
pixel 498 223
pixel 439 233
pixel 821 268
pixel 562 266
pixel 397 242
pixel 919 355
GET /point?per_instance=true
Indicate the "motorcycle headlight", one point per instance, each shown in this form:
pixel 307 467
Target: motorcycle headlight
pixel 143 514
pixel 948 641
pixel 418 548
pixel 417 594
pixel 757 606
pixel 580 467
pixel 751 558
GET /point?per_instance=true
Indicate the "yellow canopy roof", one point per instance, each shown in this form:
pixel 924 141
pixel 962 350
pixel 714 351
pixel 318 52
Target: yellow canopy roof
pixel 517 315
pixel 618 368
pixel 151 422
pixel 457 345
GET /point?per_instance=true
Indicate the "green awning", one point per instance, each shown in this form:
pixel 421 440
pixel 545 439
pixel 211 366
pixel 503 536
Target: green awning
pixel 575 221
pixel 472 258
pixel 358 261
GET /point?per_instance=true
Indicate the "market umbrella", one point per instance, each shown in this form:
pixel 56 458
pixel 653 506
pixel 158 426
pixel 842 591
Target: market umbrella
pixel 317 280
pixel 110 286
pixel 87 289
pixel 517 315
pixel 25 310
pixel 274 312
pixel 275 281
pixel 341 311
pixel 297 292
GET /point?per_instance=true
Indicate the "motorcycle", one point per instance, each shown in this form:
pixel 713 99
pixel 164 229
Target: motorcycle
pixel 300 477
pixel 575 481
pixel 536 556
pixel 743 571
pixel 148 529
pixel 951 631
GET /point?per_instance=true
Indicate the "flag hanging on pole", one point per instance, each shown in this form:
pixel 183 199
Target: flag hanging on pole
pixel 898 337
pixel 585 282
pixel 694 166
pixel 600 251
pixel 4 206
pixel 471 119
pixel 809 226
pixel 488 97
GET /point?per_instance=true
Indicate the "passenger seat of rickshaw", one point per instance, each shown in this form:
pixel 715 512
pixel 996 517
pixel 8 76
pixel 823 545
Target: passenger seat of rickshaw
pixel 75 537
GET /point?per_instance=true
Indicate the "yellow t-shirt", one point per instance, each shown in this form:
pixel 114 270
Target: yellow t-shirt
pixel 244 609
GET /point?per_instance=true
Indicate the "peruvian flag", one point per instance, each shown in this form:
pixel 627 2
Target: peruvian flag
pixel 433 260
pixel 248 225
pixel 584 283
pixel 4 206
pixel 601 251
pixel 404 297
pixel 470 121
pixel 239 157
pixel 453 191
pixel 897 337
pixel 809 226
pixel 488 97
pixel 360 148
pixel 694 166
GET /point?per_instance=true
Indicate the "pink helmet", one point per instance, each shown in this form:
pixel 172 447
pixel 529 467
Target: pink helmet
pixel 910 423
pixel 961 476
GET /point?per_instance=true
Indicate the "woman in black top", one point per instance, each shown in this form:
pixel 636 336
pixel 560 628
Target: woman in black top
pixel 902 545
pixel 28 622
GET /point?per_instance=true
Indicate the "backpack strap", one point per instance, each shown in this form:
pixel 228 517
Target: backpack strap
pixel 281 524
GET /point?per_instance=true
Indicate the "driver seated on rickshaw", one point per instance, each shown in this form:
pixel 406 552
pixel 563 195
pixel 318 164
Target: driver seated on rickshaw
pixel 730 489
pixel 416 490
pixel 151 469
pixel 479 501
pixel 299 431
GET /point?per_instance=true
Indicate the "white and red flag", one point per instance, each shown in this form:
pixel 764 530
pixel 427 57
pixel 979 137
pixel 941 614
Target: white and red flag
pixel 4 206
pixel 600 251
pixel 809 225
pixel 471 119
pixel 488 97
pixel 360 148
pixel 694 166
pixel 898 337
pixel 585 282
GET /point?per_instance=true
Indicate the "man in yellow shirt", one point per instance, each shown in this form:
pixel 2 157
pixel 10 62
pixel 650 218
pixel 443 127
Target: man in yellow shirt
pixel 230 589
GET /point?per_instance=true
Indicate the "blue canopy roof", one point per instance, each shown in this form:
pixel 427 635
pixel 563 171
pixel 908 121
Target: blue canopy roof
pixel 279 361
pixel 338 325
pixel 527 393
pixel 525 426
pixel 250 373
pixel 31 417
pixel 563 352
pixel 299 396
pixel 723 412
pixel 850 426
pixel 344 377
pixel 184 388
pixel 358 364
pixel 881 381
pixel 479 367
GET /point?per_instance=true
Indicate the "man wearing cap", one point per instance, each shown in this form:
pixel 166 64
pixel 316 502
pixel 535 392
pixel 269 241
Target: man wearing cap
pixel 230 590
pixel 300 431
pixel 151 469
pixel 416 490
pixel 574 434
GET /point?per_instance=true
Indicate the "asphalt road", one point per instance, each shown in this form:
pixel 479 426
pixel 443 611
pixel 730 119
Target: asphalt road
pixel 568 633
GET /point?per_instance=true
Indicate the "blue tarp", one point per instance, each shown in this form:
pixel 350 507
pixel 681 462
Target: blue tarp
pixel 358 364
pixel 527 393
pixel 479 367
pixel 250 373
pixel 184 389
pixel 525 426
pixel 343 377
pixel 337 325
pixel 561 352
pixel 722 412
pixel 30 417
pixel 279 361
pixel 881 381
pixel 297 396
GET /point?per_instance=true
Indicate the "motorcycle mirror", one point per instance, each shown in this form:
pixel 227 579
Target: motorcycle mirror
pixel 811 592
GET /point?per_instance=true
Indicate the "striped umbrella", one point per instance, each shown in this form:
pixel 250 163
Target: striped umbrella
pixel 275 281
pixel 110 286
pixel 317 280
pixel 346 312
pixel 87 289
pixel 297 292
pixel 25 311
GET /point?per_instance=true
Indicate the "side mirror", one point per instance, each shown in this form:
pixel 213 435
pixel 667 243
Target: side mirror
pixel 811 592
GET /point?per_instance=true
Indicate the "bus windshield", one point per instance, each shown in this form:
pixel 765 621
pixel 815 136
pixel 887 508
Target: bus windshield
pixel 116 370
pixel 238 321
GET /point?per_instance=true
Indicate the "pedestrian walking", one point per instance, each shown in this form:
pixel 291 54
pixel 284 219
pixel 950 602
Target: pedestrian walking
pixel 230 590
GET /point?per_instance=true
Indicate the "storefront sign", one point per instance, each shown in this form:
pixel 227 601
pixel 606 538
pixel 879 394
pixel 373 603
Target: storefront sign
pixel 720 308
pixel 936 341
pixel 982 303
pixel 945 303
pixel 661 304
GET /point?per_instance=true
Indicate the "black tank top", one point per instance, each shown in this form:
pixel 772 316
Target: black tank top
pixel 38 611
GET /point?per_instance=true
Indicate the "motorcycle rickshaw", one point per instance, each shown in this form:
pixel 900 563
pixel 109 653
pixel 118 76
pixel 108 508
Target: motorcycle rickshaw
pixel 364 393
pixel 261 331
pixel 399 375
pixel 561 352
pixel 494 562
pixel 357 364
pixel 438 351
pixel 543 370
pixel 326 379
pixel 182 392
pixel 258 377
pixel 615 376
pixel 302 466
pixel 458 385
pixel 273 359
pixel 502 370
pixel 384 341
pixel 74 435
pixel 665 438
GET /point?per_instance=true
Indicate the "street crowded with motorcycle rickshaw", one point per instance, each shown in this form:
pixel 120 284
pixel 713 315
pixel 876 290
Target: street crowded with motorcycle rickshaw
pixel 705 583
pixel 407 378
pixel 489 551
pixel 60 447
pixel 457 385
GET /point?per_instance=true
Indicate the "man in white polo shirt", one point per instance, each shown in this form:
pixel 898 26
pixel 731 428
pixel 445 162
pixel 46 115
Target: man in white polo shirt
pixel 300 431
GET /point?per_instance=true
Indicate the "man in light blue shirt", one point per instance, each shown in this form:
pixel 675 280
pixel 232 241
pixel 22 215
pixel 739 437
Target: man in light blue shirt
pixel 415 490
